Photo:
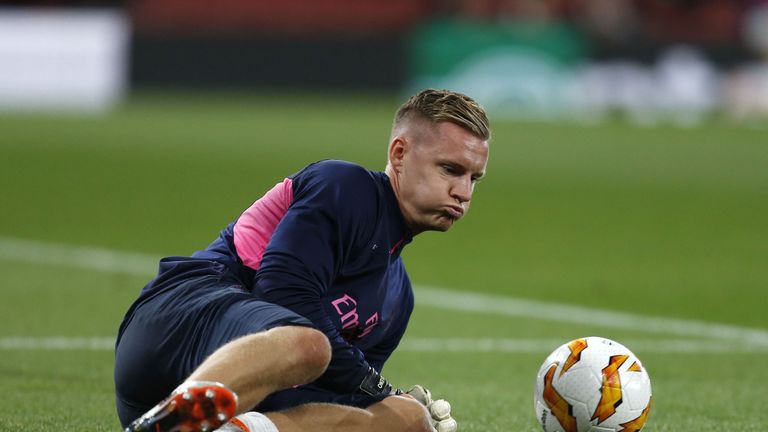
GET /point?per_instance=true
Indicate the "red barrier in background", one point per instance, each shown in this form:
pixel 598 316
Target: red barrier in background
pixel 287 17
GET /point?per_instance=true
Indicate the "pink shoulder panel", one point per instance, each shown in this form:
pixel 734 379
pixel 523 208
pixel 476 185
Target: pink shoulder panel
pixel 254 228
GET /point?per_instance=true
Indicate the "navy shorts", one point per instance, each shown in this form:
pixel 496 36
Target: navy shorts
pixel 193 309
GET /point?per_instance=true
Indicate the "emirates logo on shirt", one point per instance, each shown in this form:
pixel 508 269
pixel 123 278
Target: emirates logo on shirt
pixel 351 327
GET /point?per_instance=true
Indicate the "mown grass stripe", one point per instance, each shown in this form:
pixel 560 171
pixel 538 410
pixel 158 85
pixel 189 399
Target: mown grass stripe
pixel 139 264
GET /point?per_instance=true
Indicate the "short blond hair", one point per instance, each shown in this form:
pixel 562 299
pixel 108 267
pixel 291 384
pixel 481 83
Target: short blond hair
pixel 445 105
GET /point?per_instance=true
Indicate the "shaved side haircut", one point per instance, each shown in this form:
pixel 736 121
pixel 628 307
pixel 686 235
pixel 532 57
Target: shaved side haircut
pixel 438 106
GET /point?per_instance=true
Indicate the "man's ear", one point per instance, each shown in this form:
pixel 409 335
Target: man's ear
pixel 397 150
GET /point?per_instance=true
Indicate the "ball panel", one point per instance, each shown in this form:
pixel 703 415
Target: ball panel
pixel 610 390
pixel 560 408
pixel 636 424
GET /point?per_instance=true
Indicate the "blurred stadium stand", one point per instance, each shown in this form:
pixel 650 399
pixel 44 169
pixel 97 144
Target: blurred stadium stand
pixel 347 44
pixel 525 58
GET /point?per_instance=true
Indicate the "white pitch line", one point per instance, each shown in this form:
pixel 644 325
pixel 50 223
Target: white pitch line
pixel 80 257
pixel 507 345
pixel 533 309
pixel 420 345
pixel 57 343
pixel 139 264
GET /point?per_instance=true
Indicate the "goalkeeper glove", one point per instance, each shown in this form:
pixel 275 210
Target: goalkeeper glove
pixel 440 409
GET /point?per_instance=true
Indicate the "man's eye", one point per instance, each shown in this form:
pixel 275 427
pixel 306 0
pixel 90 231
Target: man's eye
pixel 449 169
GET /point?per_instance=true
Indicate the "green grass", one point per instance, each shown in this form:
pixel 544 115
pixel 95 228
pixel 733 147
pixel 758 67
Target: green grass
pixel 667 222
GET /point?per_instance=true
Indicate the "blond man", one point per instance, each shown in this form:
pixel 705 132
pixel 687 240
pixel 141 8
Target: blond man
pixel 284 323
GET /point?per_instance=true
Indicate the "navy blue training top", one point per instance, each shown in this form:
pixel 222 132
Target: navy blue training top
pixel 326 243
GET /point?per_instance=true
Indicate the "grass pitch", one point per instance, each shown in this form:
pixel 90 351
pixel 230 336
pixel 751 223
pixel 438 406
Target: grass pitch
pixel 662 222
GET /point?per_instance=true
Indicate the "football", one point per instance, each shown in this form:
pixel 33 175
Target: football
pixel 592 384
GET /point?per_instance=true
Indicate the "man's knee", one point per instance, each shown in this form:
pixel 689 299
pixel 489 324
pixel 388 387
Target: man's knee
pixel 310 349
pixel 417 416
pixel 412 415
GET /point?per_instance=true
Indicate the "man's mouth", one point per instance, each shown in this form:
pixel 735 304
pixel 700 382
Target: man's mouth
pixel 454 212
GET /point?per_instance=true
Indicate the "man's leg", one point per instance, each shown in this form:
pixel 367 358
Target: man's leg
pixel 250 367
pixel 393 414
pixel 256 365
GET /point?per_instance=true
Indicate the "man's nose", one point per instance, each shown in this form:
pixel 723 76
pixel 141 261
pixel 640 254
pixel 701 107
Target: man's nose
pixel 462 189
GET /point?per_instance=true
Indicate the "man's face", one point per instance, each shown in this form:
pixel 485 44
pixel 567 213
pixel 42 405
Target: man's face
pixel 436 168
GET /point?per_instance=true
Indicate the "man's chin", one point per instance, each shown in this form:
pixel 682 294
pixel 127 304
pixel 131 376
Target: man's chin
pixel 443 224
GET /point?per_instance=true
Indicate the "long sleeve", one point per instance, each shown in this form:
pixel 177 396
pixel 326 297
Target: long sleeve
pixel 380 353
pixel 332 214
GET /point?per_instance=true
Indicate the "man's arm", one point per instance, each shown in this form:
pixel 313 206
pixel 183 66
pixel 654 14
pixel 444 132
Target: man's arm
pixel 380 353
pixel 328 217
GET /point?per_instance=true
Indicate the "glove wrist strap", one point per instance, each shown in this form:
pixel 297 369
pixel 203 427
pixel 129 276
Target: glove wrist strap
pixel 374 384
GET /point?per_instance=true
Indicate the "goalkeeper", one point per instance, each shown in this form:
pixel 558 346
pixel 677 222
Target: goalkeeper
pixel 285 322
